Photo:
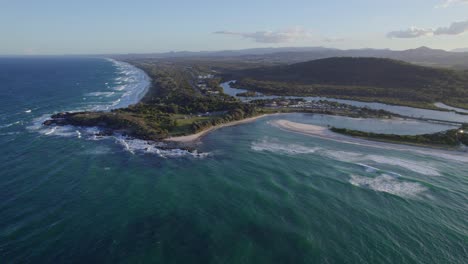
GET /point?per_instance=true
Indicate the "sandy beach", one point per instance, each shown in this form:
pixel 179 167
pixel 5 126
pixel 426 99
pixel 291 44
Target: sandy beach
pixel 194 137
pixel 325 133
pixel 301 128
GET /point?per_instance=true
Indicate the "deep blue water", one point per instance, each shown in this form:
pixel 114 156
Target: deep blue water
pixel 259 194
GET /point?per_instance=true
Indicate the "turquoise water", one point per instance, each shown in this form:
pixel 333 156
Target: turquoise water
pixel 258 195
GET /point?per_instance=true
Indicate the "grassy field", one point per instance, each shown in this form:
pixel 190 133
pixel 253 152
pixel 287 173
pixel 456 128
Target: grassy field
pixel 183 123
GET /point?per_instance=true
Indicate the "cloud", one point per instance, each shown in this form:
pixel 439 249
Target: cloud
pixel 447 3
pixel 289 35
pixel 455 28
pixel 412 32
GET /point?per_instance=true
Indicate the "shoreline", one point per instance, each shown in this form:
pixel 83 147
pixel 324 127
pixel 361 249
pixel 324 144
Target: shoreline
pixel 326 133
pixel 194 137
pixel 139 94
pixel 190 138
pixel 427 106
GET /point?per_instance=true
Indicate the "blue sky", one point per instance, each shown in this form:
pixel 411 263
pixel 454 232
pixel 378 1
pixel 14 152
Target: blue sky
pixel 104 26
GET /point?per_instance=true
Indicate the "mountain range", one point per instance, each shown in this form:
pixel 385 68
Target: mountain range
pixel 422 55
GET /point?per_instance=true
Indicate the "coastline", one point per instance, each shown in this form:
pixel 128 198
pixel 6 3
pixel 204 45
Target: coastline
pixel 193 137
pixel 139 130
pixel 135 95
pixel 326 133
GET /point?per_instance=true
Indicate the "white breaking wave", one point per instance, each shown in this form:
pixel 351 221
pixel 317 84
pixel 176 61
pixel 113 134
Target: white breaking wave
pixel 423 168
pixel 415 166
pixel 386 181
pixel 388 184
pixel 106 94
pixel 141 146
pixel 11 124
pixel 292 149
pixel 132 85
pixel 368 168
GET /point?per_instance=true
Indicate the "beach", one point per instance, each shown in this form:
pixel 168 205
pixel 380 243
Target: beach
pixel 194 137
pixel 302 128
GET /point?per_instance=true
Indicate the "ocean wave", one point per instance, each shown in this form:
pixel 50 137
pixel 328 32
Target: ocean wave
pixel 368 168
pixel 266 145
pixel 135 146
pixel 11 124
pixel 423 168
pixel 389 184
pixel 119 88
pixel 10 133
pixel 418 167
pixel 106 94
pixel 133 87
pixel 459 155
pixel 99 150
pixel 63 131
pixel 129 94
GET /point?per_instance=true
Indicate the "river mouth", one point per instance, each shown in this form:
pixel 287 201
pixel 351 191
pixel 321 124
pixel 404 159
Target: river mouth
pixel 256 192
pixel 413 112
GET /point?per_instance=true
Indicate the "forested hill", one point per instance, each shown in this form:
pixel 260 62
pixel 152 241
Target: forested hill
pixel 359 71
pixel 359 77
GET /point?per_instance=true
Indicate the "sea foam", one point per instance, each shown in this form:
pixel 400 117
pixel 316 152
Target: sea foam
pixel 135 146
pixel 389 184
pixel 293 149
pixel 361 159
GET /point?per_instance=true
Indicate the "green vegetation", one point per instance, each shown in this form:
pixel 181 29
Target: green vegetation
pixel 447 138
pixel 172 107
pixel 319 107
pixel 366 79
pixel 182 100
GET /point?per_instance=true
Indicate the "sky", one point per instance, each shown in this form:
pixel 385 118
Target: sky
pixel 39 27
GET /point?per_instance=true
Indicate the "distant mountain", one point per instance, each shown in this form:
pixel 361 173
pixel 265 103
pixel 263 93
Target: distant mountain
pixel 422 55
pixel 222 53
pixel 460 50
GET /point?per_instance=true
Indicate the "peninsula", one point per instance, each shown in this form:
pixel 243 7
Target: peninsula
pixel 185 99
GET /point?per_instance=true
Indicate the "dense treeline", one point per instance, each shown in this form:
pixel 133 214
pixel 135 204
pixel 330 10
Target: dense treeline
pixel 450 137
pixel 239 113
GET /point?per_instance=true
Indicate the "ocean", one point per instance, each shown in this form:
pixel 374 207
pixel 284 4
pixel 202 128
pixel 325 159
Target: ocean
pixel 254 193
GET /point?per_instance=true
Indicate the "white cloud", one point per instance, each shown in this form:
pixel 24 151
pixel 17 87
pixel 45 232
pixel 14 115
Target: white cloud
pixel 447 3
pixel 455 28
pixel 288 35
pixel 412 32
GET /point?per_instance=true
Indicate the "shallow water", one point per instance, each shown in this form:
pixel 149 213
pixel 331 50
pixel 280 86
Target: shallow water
pixel 258 195
pixel 448 107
